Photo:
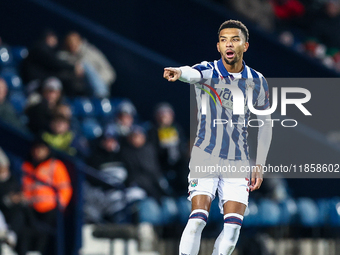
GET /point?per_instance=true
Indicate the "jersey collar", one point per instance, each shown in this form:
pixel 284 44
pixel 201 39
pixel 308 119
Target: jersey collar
pixel 225 73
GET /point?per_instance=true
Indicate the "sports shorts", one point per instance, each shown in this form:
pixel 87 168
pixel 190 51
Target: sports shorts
pixel 229 188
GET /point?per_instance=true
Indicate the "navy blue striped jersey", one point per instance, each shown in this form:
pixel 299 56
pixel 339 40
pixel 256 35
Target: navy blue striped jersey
pixel 220 132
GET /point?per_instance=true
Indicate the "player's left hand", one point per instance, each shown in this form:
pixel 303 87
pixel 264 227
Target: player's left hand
pixel 256 178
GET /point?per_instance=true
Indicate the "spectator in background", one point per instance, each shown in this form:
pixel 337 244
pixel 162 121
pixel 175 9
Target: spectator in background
pixel 144 171
pixel 258 11
pixel 124 121
pixel 109 203
pixel 64 110
pixel 60 137
pixel 103 202
pixel 7 112
pixel 98 70
pixel 106 151
pixel 11 204
pixel 288 13
pixel 324 22
pixel 47 188
pixel 170 143
pixel 42 62
pixel 40 114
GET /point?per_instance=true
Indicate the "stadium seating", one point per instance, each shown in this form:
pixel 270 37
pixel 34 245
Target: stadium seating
pixel 12 79
pixel 18 101
pixel 91 128
pixel 82 107
pixel 184 207
pixel 308 212
pixel 288 212
pixel 6 58
pixel 251 215
pixel 150 211
pixel 12 56
pixel 102 107
pixel 169 210
pixel 269 212
pixel 18 54
pixel 324 207
pixel 334 212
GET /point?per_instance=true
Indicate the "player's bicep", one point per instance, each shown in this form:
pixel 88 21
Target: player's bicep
pixel 205 69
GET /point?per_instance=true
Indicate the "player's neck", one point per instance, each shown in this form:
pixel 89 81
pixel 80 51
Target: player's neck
pixel 235 68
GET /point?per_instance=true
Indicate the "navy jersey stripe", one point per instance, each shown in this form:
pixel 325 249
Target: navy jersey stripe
pixel 222 138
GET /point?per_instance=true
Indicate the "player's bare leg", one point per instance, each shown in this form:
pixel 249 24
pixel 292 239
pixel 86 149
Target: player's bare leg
pixel 233 217
pixel 202 202
pixel 191 237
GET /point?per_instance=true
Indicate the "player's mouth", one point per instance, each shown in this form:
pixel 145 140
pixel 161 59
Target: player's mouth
pixel 230 54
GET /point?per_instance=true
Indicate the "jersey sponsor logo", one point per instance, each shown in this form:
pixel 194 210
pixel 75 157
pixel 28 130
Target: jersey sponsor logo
pixel 213 90
pixel 227 99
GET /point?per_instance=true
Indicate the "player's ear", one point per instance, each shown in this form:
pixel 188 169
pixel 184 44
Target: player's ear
pixel 218 46
pixel 246 46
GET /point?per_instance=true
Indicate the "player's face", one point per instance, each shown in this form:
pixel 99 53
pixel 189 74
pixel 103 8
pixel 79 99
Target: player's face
pixel 232 45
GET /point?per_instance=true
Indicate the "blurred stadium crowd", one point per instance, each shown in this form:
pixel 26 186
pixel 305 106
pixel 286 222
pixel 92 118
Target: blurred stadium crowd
pixel 60 91
pixel 308 26
pixel 61 95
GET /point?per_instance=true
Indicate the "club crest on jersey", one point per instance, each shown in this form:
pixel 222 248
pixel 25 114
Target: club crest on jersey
pixel 194 182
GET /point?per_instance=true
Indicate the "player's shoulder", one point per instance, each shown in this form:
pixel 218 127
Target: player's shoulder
pixel 255 73
pixel 205 64
pixel 261 80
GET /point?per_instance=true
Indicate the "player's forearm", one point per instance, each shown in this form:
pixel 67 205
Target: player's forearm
pixel 263 139
pixel 189 74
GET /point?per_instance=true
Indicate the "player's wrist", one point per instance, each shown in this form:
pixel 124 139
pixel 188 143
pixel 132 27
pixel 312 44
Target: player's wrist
pixel 179 72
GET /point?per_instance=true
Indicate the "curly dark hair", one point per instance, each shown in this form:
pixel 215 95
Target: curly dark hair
pixel 235 24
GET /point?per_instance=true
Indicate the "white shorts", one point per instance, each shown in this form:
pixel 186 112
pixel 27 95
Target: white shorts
pixel 228 187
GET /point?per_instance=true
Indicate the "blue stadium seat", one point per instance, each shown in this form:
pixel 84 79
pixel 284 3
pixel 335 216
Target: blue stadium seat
pixel 334 212
pixel 18 101
pixel 18 53
pixel 288 210
pixel 251 215
pixel 269 212
pixel 150 211
pixel 116 101
pixel 12 79
pixel 91 128
pixel 82 107
pixel 6 58
pixel 324 206
pixel 102 107
pixel 308 212
pixel 184 209
pixel 169 210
